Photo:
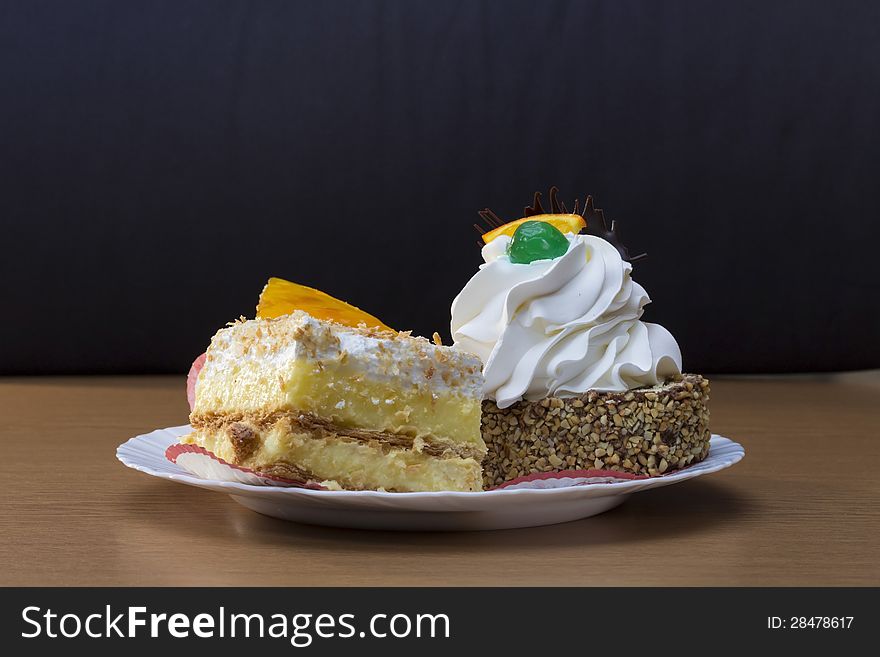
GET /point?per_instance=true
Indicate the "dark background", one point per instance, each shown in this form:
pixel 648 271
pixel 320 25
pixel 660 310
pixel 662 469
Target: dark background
pixel 160 160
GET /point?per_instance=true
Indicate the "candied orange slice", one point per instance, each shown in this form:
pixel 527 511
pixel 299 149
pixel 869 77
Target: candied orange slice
pixel 565 223
pixel 281 297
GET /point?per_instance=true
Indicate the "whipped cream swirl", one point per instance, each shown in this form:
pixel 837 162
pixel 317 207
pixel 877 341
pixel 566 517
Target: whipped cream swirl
pixel 560 327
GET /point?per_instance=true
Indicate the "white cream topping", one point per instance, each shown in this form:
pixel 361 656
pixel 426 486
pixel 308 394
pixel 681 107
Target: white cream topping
pixel 271 345
pixel 560 327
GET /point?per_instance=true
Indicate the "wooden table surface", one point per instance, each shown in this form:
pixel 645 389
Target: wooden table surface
pixel 803 507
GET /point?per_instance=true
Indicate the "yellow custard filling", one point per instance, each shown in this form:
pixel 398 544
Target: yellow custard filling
pixel 351 465
pixel 345 396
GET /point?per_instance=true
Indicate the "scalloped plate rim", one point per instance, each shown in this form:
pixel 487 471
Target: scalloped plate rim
pixel 733 452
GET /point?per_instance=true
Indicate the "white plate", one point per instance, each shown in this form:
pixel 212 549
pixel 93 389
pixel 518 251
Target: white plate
pixel 436 511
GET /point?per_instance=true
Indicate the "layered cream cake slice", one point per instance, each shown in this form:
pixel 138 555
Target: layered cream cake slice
pixel 353 408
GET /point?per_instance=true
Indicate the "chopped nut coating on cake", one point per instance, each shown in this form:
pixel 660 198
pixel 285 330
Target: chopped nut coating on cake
pixel 643 431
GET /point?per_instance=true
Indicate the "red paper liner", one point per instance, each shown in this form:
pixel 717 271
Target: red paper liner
pixel 192 377
pixel 604 475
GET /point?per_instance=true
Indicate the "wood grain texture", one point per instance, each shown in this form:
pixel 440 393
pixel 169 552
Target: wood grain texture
pixel 800 509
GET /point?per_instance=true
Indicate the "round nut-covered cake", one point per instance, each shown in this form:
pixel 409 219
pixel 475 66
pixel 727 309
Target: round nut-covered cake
pixel 573 378
pixel 644 431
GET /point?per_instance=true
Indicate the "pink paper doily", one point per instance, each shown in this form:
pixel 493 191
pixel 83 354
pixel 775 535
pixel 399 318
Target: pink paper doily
pixel 204 464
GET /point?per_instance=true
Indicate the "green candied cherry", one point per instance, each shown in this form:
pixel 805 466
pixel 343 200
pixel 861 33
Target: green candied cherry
pixel 536 240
